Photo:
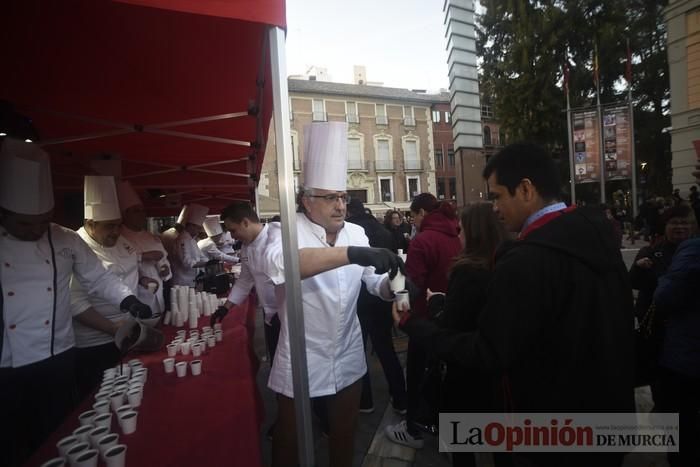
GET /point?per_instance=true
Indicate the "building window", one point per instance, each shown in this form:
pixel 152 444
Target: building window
pixel 439 161
pixel 441 188
pixel 386 188
pixel 447 117
pixel 319 110
pixel 486 111
pixel 291 112
pixel 453 187
pixel 383 159
pixel 450 158
pixel 410 156
pixel 351 112
pixel 408 116
pixel 413 186
pixel 295 152
pixel 355 161
pixel 487 136
pixel 436 116
pixel 380 112
pixel 358 194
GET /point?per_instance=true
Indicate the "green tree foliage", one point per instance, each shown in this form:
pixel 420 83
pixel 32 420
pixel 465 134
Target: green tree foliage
pixel 524 44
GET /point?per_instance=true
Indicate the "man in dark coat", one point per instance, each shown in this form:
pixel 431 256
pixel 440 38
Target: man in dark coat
pixel 375 318
pixel 556 333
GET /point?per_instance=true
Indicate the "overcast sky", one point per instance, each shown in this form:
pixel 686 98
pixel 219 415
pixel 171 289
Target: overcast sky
pixel 401 42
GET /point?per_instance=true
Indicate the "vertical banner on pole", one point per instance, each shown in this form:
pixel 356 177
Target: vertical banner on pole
pixel 617 138
pixel 586 137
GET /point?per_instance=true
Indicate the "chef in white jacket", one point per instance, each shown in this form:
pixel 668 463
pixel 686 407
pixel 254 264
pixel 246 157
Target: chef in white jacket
pixel 154 259
pixel 95 320
pixel 211 246
pixel 186 257
pixel 37 260
pixel 334 258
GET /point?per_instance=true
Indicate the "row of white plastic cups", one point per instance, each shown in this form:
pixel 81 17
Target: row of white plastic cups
pixel 197 347
pixel 126 416
pixel 181 367
pixel 82 448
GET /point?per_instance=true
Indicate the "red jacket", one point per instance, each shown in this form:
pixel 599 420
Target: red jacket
pixel 432 253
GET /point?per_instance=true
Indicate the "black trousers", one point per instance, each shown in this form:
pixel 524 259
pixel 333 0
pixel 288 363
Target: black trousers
pixel 35 400
pixel 272 336
pixel 91 362
pixel 376 323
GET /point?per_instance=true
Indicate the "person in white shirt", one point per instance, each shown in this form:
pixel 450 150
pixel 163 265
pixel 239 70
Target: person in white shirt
pixel 154 259
pixel 227 243
pixel 334 259
pixel 96 320
pixel 211 246
pixel 187 258
pixel 37 260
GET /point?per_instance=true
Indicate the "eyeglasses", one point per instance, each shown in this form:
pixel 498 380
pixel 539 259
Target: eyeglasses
pixel 332 198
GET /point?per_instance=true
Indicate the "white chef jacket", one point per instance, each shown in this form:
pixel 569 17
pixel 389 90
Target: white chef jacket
pixel 334 350
pixel 227 243
pixel 254 270
pixel 186 254
pixel 122 260
pixel 145 241
pixel 27 277
pixel 211 250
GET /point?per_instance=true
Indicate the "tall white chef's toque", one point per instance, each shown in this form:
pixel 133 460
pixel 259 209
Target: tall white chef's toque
pixel 25 178
pixel 326 156
pixel 101 201
pixel 127 196
pixel 212 226
pixel 193 214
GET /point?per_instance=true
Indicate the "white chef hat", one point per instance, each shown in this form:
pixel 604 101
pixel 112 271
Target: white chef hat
pixel 326 155
pixel 25 178
pixel 101 202
pixel 193 214
pixel 127 196
pixel 212 226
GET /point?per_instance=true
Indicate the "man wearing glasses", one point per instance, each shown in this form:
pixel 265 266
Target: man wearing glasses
pixel 335 258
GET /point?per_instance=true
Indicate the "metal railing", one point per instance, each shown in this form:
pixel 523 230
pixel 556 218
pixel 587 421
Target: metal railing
pixel 384 164
pixel 412 164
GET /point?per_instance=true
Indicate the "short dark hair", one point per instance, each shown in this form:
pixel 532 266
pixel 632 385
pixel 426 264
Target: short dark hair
pixel 425 201
pixel 355 207
pixel 517 161
pixel 239 210
pixel 682 211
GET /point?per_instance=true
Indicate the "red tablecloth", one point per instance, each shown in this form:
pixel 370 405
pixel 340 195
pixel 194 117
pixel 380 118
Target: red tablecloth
pixel 208 420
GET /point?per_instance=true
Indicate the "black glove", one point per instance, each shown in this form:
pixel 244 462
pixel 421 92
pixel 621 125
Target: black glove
pixel 136 308
pixel 218 315
pixel 382 259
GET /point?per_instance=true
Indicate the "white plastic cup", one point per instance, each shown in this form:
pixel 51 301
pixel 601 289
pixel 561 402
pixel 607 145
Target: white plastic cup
pixel 86 418
pixel 181 369
pixel 104 419
pixel 181 333
pixel 109 373
pixel 86 458
pixel 101 406
pixel 55 462
pixel 116 456
pixel 107 442
pixel 128 422
pixel 185 348
pixel 103 395
pixel 134 396
pixel 116 399
pixel 125 370
pixel 121 379
pixel 218 327
pixel 122 410
pixel 172 349
pixel 398 282
pixel 196 367
pixel 169 364
pixel 135 362
pixel 219 336
pixel 205 329
pixel 211 341
pixel 402 301
pixel 64 444
pixel 75 451
pixel 96 434
pixel 82 433
pixel 196 350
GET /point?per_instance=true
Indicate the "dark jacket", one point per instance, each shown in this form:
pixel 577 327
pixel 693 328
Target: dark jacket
pixel 432 253
pixel 677 298
pixel 645 280
pixel 558 326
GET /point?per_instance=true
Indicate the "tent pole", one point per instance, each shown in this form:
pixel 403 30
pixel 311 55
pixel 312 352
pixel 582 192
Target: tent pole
pixel 295 317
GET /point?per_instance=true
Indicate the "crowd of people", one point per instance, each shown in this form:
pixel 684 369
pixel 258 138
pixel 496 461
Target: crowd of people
pixel 520 304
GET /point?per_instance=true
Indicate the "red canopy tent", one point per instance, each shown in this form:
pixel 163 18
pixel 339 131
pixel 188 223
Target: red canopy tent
pixel 174 95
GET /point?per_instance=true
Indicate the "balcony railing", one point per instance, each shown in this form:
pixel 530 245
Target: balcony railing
pixel 319 116
pixel 352 118
pixel 357 164
pixel 409 121
pixel 412 164
pixel 382 120
pixel 384 165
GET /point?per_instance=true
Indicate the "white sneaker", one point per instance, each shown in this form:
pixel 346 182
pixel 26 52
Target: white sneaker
pixel 399 434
